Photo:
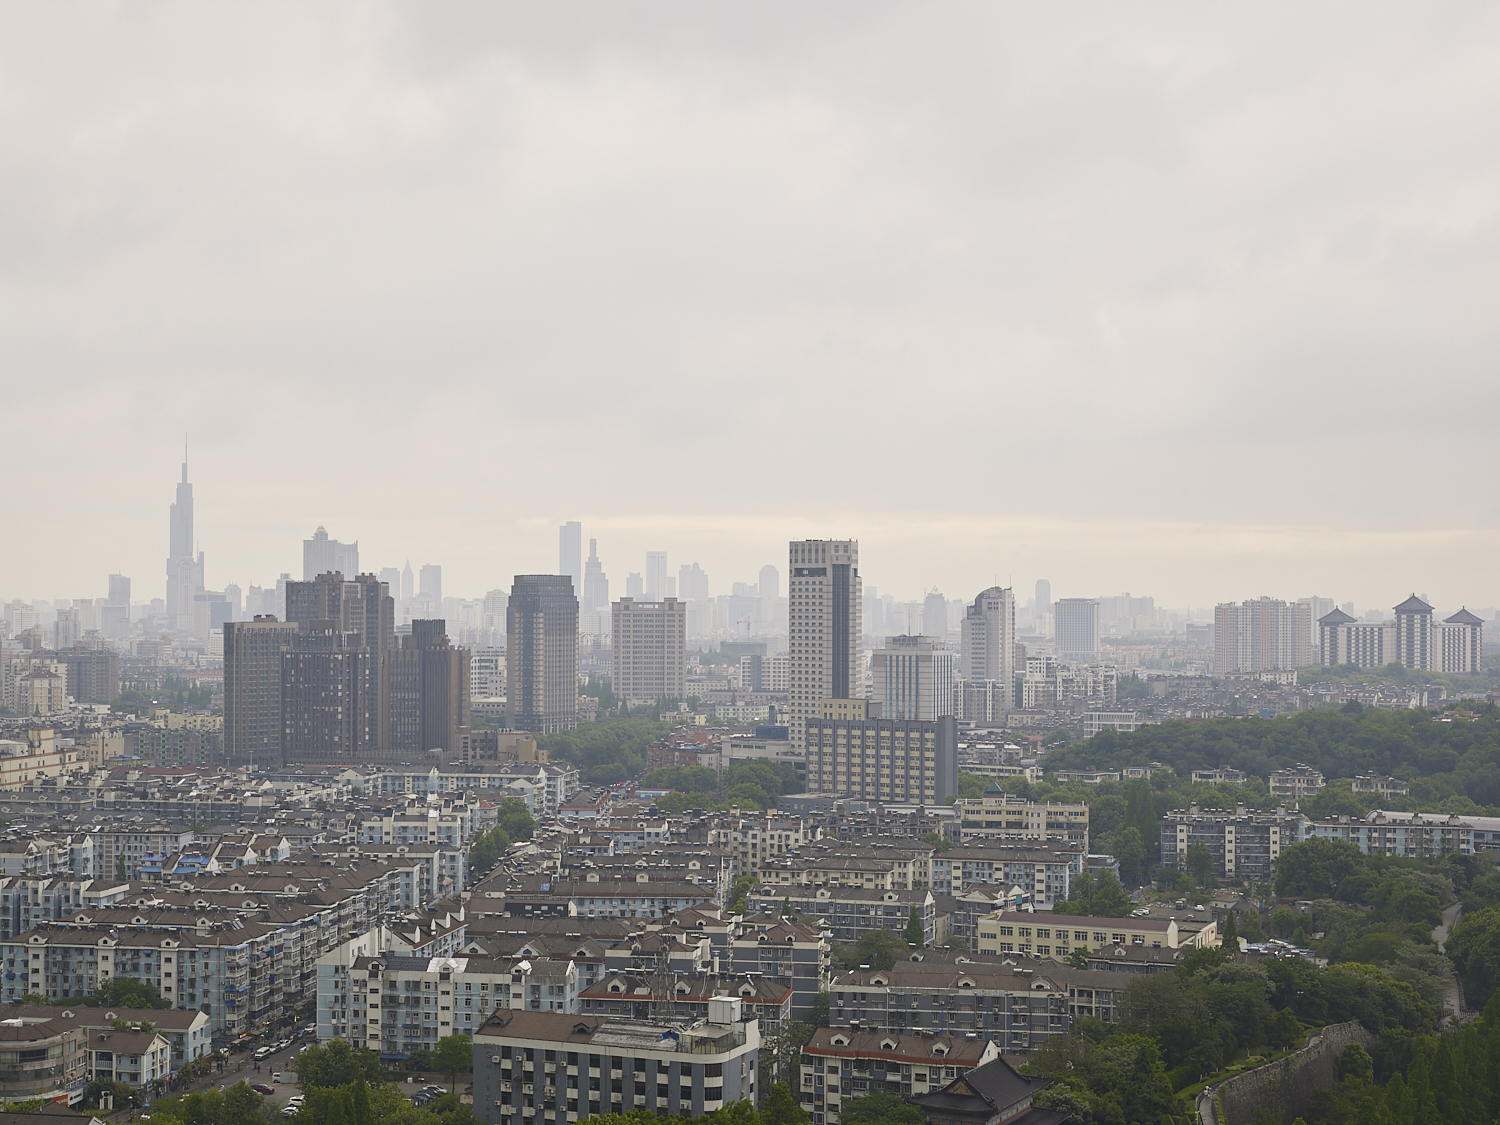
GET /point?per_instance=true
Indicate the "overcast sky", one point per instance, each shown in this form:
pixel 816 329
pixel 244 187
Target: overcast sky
pixel 1196 301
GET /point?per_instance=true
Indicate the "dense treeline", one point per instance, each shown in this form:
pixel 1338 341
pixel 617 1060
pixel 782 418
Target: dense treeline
pixel 513 823
pixel 608 751
pixel 1211 1014
pixel 747 785
pixel 1451 765
pixel 1447 1079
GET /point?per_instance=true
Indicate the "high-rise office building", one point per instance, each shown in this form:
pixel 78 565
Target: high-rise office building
pixel 542 654
pixel 570 553
pixel 853 751
pixel 391 576
pixel 252 688
pixel 361 605
pixel 692 583
pixel 1076 630
pixel 656 575
pixel 934 615
pixel 1043 602
pixel 595 582
pixel 649 641
pixel 770 583
pixel 332 706
pixel 236 599
pixel 823 610
pixel 430 586
pixel 429 694
pixel 635 586
pixel 321 554
pixel 912 678
pixel 988 648
pixel 119 590
pixel 408 584
pixel 184 570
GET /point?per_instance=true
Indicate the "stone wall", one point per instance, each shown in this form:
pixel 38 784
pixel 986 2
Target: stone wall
pixel 1286 1087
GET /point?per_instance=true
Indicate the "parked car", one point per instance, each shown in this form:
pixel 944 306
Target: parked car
pixel 261 1052
pixel 262 1088
pixel 290 1111
pixel 436 1091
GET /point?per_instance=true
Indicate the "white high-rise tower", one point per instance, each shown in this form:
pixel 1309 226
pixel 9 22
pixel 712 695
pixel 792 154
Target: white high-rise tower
pixel 823 611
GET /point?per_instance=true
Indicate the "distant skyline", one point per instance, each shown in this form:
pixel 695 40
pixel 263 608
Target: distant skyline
pixel 903 559
pixel 1169 301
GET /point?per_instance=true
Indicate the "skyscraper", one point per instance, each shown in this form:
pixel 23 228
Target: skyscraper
pixel 429 694
pixel 649 640
pixel 935 615
pixel 770 583
pixel 635 586
pixel 656 575
pixel 988 649
pixel 408 584
pixel 431 587
pixel 184 572
pixel 692 583
pixel 114 617
pixel 570 553
pixel 595 582
pixel 1076 627
pixel 542 653
pixel 252 688
pixel 1043 597
pixel 912 678
pixel 392 578
pixel 321 554
pixel 824 618
pixel 236 598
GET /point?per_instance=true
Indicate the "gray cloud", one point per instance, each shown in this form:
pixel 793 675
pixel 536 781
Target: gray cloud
pixel 1190 301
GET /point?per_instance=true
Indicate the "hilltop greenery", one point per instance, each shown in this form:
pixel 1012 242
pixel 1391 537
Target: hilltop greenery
pixel 746 785
pixel 607 751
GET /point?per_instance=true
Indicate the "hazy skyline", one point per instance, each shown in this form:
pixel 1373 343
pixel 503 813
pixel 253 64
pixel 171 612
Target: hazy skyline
pixel 1195 303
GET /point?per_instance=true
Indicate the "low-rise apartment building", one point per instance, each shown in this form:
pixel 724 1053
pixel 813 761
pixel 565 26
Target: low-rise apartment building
pixel 848 912
pixel 839 1064
pixel 549 1067
pixel 1295 782
pixel 1043 934
pixel 1243 844
pixel 1044 870
pixel 998 815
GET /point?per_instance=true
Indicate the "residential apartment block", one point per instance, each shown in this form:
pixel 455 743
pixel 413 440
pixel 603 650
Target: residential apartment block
pixel 852 752
pixel 1244 844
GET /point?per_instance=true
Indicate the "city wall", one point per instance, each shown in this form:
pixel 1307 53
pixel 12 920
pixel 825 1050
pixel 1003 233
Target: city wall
pixel 1286 1086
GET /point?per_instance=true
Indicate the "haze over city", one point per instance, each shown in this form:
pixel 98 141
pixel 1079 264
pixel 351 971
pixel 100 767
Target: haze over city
pixel 1171 302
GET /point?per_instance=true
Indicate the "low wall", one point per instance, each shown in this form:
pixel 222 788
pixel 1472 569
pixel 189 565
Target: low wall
pixel 1286 1086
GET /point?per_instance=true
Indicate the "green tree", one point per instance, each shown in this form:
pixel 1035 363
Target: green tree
pixel 1127 848
pixel 778 1107
pixel 740 891
pixel 913 933
pixel 515 818
pixel 454 1056
pixel 1200 863
pixel 880 949
pixel 939 842
pixel 1109 899
pixel 1474 946
pixel 818 1012
pixel 1316 867
pixel 1231 935
pixel 881 1108
pixel 337 1064
pixel 1282 922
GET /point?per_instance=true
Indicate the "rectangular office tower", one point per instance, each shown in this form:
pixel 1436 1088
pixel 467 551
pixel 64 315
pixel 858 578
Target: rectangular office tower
pixel 987 654
pixel 650 650
pixel 1076 628
pixel 853 753
pixel 823 614
pixel 912 678
pixel 321 555
pixel 541 626
pixel 252 688
pixel 428 688
pixel 331 703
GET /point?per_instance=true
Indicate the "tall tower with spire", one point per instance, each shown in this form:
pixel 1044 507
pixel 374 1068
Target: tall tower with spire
pixel 184 569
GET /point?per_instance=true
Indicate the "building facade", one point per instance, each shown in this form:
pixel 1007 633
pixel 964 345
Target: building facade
pixel 912 678
pixel 825 634
pixel 1076 629
pixel 649 650
pixel 988 646
pixel 542 654
pixel 852 753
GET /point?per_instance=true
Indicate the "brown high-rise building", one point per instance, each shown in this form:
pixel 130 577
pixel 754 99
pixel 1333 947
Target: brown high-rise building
pixel 360 605
pixel 252 688
pixel 331 699
pixel 541 660
pixel 93 673
pixel 428 690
